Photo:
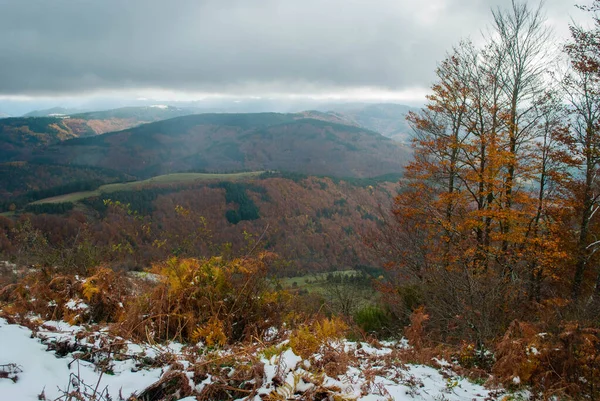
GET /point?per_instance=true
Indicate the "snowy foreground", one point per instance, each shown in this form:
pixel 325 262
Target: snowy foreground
pixel 48 364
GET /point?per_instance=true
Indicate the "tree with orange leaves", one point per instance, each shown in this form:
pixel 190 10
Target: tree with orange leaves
pixel 582 89
pixel 484 188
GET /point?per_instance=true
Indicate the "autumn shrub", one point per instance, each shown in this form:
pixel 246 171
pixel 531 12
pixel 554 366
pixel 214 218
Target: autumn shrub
pixel 213 300
pixel 334 361
pixel 104 292
pixel 318 341
pixel 564 363
pixel 50 295
pixel 310 337
pixel 415 332
pixel 42 293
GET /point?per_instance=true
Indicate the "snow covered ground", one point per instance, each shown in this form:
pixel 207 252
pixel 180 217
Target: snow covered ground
pixel 50 362
pixel 43 371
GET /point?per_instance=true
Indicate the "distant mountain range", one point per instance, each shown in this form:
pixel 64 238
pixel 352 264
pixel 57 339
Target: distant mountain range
pixel 234 142
pixel 54 111
pixel 137 142
pixel 388 119
pixel 19 135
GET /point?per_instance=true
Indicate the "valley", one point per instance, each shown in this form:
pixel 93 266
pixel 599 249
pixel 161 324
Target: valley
pixel 310 182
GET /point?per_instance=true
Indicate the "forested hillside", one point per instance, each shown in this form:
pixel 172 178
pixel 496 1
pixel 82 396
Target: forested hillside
pixel 315 224
pixel 234 142
pixel 19 136
pixel 49 157
pixel 24 182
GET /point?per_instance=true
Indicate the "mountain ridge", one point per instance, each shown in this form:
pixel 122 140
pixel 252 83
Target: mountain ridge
pixel 235 142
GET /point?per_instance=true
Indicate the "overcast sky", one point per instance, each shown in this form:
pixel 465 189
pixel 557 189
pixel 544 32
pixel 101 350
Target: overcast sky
pixel 185 49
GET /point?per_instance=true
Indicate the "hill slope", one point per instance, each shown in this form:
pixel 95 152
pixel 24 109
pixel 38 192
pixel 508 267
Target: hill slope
pixel 233 142
pixel 20 135
pixel 24 182
pixel 388 119
pixel 314 223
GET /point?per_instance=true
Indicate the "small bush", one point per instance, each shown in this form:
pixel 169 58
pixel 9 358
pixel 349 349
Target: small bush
pixel 105 292
pixel 555 365
pixel 309 338
pixel 55 296
pixel 415 333
pixel 213 300
pixel 373 319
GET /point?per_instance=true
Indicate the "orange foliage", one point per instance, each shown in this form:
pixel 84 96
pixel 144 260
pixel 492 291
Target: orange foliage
pixel 566 363
pixel 214 300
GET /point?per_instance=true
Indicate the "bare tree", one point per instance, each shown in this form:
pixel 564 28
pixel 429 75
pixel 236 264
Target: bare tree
pixel 582 88
pixel 521 39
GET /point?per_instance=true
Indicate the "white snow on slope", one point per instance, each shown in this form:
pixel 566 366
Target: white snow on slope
pixel 43 370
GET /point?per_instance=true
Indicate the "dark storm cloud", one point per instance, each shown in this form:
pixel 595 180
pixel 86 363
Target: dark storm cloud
pixel 232 46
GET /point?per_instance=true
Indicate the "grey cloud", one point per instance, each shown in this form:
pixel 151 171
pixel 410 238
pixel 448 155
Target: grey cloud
pixel 231 46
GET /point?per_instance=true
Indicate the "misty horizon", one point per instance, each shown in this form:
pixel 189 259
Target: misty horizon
pixel 103 55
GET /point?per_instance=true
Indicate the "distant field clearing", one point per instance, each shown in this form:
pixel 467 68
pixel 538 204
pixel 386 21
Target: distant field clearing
pixel 135 185
pixel 315 281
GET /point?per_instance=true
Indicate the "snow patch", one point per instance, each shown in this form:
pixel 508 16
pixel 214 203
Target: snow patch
pixel 285 375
